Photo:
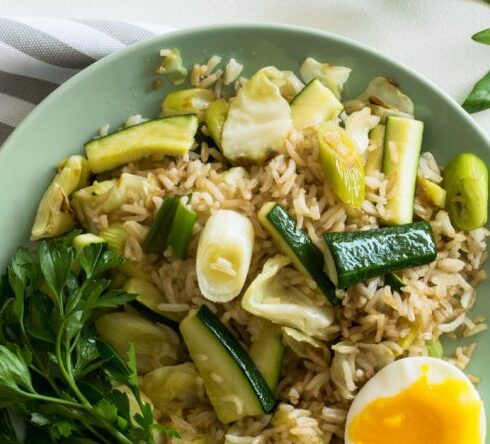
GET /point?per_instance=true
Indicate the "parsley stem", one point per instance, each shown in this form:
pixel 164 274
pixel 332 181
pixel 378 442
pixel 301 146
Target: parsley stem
pixel 88 409
pixel 68 377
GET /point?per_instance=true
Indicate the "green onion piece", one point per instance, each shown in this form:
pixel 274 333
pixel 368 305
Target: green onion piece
pixel 434 348
pixel 394 281
pixel 181 230
pixel 156 239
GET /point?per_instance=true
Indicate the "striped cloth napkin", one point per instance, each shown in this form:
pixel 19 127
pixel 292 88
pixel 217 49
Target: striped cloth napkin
pixel 38 54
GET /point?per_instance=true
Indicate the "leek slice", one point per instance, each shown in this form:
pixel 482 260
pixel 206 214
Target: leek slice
pixel 223 255
pixel 342 163
pixel 187 101
pixel 172 66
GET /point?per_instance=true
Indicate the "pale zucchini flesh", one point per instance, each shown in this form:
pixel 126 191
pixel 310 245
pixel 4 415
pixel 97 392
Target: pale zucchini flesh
pixel 156 345
pixel 266 351
pixel 152 298
pixel 233 383
pixel 169 136
pixel 403 141
pixel 315 104
pixel 374 157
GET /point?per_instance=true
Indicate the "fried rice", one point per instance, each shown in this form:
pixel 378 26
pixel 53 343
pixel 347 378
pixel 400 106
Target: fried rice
pixel 374 325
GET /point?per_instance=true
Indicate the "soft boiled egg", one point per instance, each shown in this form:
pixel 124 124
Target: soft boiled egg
pixel 417 400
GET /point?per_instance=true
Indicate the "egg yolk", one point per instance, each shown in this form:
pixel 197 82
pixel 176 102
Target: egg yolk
pixel 423 413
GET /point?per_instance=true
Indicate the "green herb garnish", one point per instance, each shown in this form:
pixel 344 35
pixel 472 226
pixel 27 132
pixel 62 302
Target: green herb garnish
pixel 55 374
pixel 482 36
pixel 479 97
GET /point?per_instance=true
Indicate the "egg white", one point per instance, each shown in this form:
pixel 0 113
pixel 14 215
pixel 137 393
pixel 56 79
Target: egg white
pixel 399 375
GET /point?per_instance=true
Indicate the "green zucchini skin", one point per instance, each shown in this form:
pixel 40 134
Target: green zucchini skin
pixel 163 136
pixel 240 356
pixel 362 255
pixel 152 316
pixel 395 283
pixel 306 253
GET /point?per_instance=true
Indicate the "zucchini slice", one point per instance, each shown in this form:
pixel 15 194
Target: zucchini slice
pixel 233 383
pixel 266 352
pixel 296 244
pixel 314 105
pixel 168 136
pixel 156 345
pixel 403 140
pixel 355 256
pixel 374 158
pixel 148 300
pixel 394 281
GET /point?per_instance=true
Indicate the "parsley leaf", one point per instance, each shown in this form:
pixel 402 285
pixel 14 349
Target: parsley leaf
pixel 54 370
pixel 15 377
pixel 95 259
pixel 56 263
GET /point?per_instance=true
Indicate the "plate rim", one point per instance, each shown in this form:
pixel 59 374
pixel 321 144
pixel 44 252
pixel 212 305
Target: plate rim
pixel 251 27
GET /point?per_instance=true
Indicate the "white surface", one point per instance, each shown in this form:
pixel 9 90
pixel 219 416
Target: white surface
pixel 431 36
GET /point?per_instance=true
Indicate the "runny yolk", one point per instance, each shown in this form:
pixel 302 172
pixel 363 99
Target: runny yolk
pixel 423 413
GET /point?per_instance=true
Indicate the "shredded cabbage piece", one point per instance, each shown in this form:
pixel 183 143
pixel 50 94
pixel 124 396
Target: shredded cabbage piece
pixel 333 77
pixel 385 98
pixel 268 298
pixel 358 124
pixel 107 196
pixel 259 119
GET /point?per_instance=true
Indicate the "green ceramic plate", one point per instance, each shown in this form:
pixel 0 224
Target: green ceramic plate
pixel 121 84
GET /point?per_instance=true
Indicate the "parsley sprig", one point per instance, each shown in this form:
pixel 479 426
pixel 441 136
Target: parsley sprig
pixel 56 375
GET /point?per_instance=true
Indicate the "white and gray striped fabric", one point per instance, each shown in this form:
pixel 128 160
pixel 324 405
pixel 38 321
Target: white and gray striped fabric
pixel 38 54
